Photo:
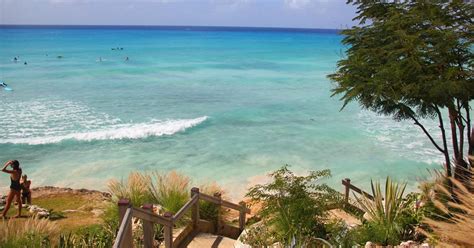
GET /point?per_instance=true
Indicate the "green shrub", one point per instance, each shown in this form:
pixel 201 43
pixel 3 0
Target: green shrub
pixel 210 211
pixel 294 207
pixel 91 236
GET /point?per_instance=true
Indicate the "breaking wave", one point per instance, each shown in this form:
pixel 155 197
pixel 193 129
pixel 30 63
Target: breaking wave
pixel 47 122
pixel 117 132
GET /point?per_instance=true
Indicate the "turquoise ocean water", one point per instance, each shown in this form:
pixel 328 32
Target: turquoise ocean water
pixel 219 104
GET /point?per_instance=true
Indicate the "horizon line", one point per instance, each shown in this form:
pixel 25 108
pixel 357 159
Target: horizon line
pixel 164 26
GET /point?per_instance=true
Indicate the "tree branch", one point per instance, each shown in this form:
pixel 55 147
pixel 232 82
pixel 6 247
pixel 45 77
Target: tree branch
pixel 427 133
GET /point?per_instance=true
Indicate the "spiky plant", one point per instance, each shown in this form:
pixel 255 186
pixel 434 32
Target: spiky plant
pixel 454 227
pixel 385 211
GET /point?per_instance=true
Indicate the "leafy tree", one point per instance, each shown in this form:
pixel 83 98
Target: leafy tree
pixel 412 60
pixel 294 207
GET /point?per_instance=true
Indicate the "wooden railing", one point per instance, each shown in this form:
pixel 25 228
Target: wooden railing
pixel 168 220
pixel 348 187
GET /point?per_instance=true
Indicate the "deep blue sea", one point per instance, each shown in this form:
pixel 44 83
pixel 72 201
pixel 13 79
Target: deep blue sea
pixel 218 104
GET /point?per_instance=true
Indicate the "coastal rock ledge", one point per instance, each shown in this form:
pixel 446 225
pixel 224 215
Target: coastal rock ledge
pixel 46 191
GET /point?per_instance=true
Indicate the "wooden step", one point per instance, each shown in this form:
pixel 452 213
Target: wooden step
pixel 203 240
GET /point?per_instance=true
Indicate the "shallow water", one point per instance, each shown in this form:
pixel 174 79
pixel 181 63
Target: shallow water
pixel 217 104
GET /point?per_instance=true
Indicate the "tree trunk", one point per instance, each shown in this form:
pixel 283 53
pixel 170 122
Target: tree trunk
pixel 459 163
pixel 471 146
pixel 445 143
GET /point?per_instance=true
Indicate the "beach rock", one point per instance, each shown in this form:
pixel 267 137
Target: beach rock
pixel 408 244
pixel 38 211
pixel 369 245
pixel 425 245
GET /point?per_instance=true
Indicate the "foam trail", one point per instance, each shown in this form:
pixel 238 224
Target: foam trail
pixel 116 132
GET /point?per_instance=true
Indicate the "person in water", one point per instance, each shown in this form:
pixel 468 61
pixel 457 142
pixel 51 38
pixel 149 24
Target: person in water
pixel 15 186
pixel 126 59
pixel 25 190
pixel 15 59
pixel 25 63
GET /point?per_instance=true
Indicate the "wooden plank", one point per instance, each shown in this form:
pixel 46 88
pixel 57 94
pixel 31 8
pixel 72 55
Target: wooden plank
pixel 347 182
pixel 208 198
pixel 219 223
pixel 224 203
pixel 144 215
pixel 124 235
pixel 183 236
pixel 148 232
pixel 195 210
pixel 242 215
pixel 168 231
pixel 185 208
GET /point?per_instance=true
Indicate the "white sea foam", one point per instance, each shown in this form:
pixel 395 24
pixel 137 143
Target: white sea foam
pixel 404 138
pixel 45 122
pixel 121 131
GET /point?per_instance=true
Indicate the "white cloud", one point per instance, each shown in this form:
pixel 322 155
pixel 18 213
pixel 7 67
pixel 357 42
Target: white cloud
pixel 299 4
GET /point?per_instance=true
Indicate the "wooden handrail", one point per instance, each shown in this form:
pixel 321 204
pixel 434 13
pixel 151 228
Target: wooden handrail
pixel 185 208
pixel 149 216
pixel 124 235
pixel 348 186
pixel 127 219
pixel 224 203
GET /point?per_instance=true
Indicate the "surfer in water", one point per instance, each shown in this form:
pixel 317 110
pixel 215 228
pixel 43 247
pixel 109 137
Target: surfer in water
pixel 15 59
pixel 126 59
pixel 3 84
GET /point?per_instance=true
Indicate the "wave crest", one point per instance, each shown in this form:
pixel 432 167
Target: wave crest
pixel 116 132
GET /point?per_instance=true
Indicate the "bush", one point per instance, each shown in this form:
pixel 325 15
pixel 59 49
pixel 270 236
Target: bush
pixel 33 232
pixel 135 188
pixel 210 211
pixel 170 190
pixel 294 207
pixel 91 236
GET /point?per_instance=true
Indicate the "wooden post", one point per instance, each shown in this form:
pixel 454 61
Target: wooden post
pixel 346 195
pixel 242 216
pixel 168 231
pixel 123 205
pixel 148 232
pixel 195 209
pixel 218 221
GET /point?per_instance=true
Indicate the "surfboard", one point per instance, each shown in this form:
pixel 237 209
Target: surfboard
pixel 7 88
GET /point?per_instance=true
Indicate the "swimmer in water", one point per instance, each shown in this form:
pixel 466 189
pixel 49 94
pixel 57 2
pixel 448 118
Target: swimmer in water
pixel 25 63
pixel 126 59
pixel 15 59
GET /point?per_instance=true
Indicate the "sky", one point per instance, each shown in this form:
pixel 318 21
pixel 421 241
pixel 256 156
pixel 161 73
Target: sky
pixel 334 14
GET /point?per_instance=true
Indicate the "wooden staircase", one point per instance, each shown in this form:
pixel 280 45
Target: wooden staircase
pixel 198 233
